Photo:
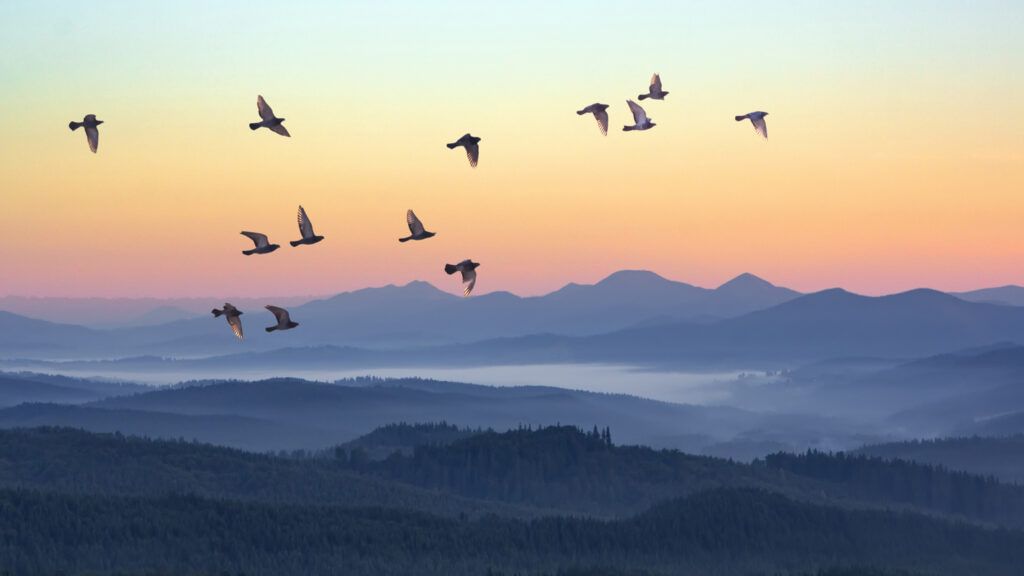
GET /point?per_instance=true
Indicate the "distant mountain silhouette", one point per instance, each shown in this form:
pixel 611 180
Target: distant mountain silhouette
pixel 418 314
pixel 292 413
pixel 1010 295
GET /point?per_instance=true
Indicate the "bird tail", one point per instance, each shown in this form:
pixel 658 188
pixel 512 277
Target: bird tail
pixel 271 329
pixel 74 125
pixel 248 252
pixel 628 128
pixel 451 268
pixel 406 239
pixel 643 96
pixel 254 125
pixel 295 243
pixel 741 118
pixel 217 313
pixel 451 146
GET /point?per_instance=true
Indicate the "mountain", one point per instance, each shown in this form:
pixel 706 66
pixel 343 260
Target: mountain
pixel 418 314
pixel 829 324
pixel 124 312
pixel 724 532
pixel 1003 295
pixel 78 462
pixel 20 335
pixel 293 414
pixel 1001 458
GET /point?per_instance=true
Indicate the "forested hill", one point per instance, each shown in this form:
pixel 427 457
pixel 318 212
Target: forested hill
pixel 911 484
pixel 73 461
pixel 1001 457
pixel 725 532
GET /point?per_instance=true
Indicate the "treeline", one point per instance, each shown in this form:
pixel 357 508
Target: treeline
pixel 722 532
pixel 558 467
pixel 910 483
pixel 1002 457
pixel 401 437
pixel 74 461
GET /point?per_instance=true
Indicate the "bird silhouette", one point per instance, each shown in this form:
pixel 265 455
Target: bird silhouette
pixel 92 133
pixel 268 119
pixel 654 92
pixel 757 119
pixel 263 246
pixel 284 321
pixel 231 314
pixel 306 229
pixel 640 119
pixel 468 269
pixel 471 144
pixel 416 231
pixel 600 112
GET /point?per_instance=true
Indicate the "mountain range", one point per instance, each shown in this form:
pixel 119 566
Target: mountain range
pixel 630 317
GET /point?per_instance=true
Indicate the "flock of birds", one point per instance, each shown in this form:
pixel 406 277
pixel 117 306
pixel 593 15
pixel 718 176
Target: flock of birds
pixel 471 144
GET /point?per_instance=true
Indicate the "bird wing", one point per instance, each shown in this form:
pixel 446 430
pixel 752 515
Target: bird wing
pixel 280 129
pixel 280 313
pixel 260 240
pixel 602 120
pixel 236 326
pixel 760 126
pixel 266 112
pixel 473 153
pixel 305 226
pixel 655 84
pixel 469 280
pixel 639 116
pixel 415 226
pixel 93 135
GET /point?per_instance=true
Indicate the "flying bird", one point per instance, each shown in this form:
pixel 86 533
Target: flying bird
pixel 306 229
pixel 232 315
pixel 600 112
pixel 468 269
pixel 471 144
pixel 263 246
pixel 416 231
pixel 92 133
pixel 757 119
pixel 284 321
pixel 640 119
pixel 654 92
pixel 268 119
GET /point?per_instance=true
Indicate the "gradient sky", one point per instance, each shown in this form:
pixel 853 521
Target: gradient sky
pixel 896 157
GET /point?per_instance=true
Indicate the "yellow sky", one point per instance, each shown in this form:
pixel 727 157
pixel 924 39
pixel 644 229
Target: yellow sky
pixel 893 161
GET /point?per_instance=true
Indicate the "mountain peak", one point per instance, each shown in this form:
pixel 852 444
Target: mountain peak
pixel 631 277
pixel 746 280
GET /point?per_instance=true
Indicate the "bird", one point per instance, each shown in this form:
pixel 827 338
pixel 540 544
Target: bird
pixel 757 119
pixel 284 321
pixel 468 269
pixel 416 231
pixel 640 119
pixel 263 246
pixel 306 229
pixel 269 120
pixel 600 112
pixel 232 315
pixel 92 134
pixel 471 144
pixel 654 92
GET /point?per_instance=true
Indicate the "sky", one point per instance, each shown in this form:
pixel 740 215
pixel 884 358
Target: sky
pixel 895 158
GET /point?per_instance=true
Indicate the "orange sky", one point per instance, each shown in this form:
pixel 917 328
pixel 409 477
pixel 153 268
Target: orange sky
pixel 895 157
